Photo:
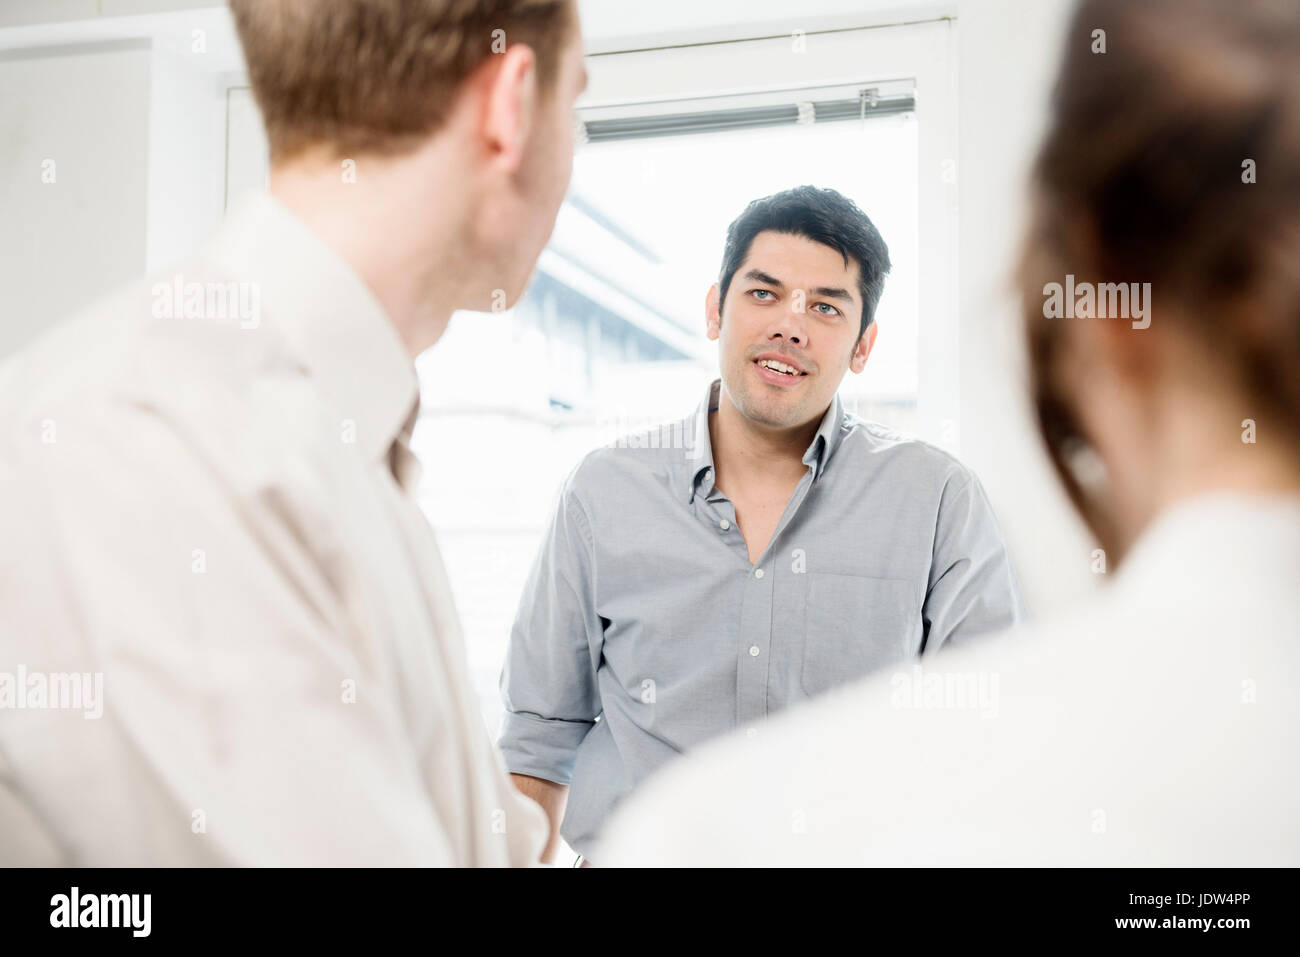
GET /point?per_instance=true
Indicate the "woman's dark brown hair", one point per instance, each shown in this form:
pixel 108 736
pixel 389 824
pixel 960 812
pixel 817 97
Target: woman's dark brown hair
pixel 1145 176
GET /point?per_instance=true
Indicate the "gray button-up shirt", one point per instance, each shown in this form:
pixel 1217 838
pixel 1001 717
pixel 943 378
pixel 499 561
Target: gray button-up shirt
pixel 644 629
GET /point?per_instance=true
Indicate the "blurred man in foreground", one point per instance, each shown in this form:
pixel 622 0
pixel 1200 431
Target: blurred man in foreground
pixel 210 486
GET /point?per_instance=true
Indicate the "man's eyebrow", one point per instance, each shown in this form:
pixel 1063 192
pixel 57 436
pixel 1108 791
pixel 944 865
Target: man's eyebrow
pixel 832 292
pixel 759 276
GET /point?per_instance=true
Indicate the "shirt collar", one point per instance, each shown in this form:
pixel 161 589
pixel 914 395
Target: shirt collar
pixel 328 317
pixel 699 457
pixel 700 473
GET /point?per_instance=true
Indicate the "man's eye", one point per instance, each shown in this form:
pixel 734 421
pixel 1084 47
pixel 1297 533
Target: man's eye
pixel 833 310
pixel 760 292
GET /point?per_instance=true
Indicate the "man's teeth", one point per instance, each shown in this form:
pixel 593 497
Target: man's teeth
pixel 779 367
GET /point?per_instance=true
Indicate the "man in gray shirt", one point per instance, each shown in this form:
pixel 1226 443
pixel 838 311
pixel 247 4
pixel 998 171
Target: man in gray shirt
pixel 705 574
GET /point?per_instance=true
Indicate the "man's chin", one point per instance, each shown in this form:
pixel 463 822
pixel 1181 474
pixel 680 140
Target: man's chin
pixel 772 412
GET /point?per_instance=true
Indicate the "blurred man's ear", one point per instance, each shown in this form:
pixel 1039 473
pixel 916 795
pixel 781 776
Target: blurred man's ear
pixel 509 113
pixel 712 318
pixel 863 349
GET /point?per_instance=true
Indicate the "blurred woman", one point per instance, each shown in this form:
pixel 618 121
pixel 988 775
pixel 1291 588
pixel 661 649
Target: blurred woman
pixel 1161 296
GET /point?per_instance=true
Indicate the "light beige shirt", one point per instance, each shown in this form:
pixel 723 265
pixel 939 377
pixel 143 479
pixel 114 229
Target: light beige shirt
pixel 214 517
pixel 1159 728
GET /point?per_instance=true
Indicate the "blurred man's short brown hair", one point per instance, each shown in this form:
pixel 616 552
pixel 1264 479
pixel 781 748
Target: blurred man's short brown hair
pixel 359 76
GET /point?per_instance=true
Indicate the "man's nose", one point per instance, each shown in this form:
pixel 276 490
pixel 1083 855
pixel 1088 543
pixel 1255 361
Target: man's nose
pixel 790 326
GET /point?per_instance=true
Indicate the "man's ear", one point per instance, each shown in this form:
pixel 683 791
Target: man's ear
pixel 863 349
pixel 510 104
pixel 712 317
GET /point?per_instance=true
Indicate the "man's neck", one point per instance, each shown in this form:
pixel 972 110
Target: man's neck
pixel 410 264
pixel 747 455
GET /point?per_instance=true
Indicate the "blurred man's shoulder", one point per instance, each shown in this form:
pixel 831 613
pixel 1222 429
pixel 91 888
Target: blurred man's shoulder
pixel 222 383
pixel 139 341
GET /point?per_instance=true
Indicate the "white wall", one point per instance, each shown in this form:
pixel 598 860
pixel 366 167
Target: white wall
pixel 187 151
pixel 80 115
pixel 616 25
pixel 247 153
pixel 1008 56
pixel 23 12
pixel 131 110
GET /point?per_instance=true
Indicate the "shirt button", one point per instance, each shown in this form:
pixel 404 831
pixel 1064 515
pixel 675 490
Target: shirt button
pixel 758 573
pixel 724 525
pixel 753 651
pixel 751 731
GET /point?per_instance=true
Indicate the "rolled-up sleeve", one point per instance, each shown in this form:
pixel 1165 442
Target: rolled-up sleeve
pixel 973 588
pixel 548 683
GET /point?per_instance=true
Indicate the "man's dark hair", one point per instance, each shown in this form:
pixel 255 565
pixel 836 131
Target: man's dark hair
pixel 825 217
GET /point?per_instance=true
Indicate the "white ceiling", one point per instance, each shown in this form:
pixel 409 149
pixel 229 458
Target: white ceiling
pixel 608 25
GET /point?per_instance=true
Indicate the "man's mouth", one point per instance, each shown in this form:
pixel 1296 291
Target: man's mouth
pixel 774 370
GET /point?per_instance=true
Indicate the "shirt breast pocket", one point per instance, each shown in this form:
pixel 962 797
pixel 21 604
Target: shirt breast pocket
pixel 854 625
